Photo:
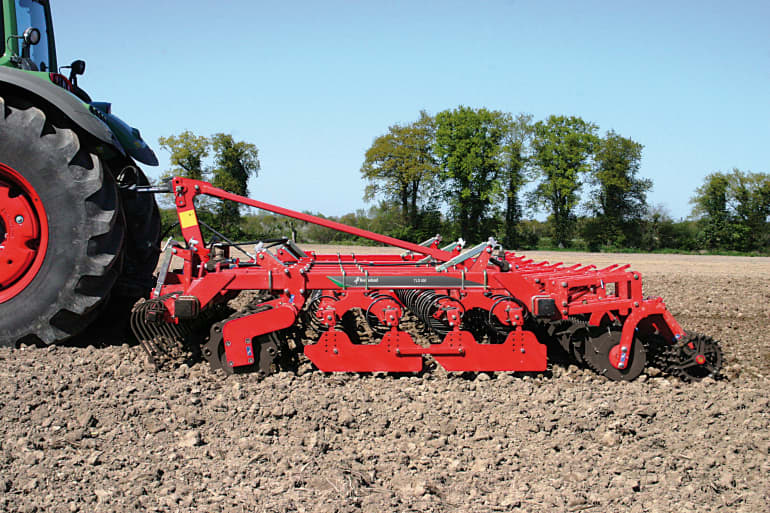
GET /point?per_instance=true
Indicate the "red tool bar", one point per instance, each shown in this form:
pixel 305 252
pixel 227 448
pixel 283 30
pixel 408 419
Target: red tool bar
pixel 191 188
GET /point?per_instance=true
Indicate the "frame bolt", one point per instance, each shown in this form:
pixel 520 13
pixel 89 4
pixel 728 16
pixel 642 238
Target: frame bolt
pixel 336 351
pixel 227 343
pixel 19 219
pixel 564 284
pixel 251 360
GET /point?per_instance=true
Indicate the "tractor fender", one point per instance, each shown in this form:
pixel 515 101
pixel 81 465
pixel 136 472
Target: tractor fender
pixel 128 136
pixel 26 84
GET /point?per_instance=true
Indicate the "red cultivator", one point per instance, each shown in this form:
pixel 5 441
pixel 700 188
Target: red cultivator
pixel 482 309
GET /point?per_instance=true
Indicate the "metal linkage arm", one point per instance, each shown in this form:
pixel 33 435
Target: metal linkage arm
pixel 462 257
pixel 449 247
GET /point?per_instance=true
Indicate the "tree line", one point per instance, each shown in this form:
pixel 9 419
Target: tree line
pixel 476 173
pixel 485 168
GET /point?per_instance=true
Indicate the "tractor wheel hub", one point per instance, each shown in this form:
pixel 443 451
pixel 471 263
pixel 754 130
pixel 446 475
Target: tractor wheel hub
pixel 23 233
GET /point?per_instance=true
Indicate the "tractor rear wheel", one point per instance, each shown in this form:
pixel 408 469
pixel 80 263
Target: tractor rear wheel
pixel 62 229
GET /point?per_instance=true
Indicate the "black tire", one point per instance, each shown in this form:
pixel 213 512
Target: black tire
pixel 86 228
pixel 142 235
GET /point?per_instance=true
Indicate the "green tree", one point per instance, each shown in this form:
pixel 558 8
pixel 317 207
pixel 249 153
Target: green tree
pixel 399 167
pixel 468 146
pixel 562 149
pixel 233 163
pixel 749 196
pixel 619 197
pixel 734 210
pixel 187 156
pixel 514 159
pixel 188 152
pixel 660 231
pixel 710 204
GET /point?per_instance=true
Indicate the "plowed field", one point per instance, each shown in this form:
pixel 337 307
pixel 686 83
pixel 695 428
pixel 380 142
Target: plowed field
pixel 90 426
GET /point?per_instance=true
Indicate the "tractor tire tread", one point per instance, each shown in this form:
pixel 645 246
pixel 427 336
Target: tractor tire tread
pixel 81 265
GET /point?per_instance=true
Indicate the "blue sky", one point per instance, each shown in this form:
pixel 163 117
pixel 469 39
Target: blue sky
pixel 313 83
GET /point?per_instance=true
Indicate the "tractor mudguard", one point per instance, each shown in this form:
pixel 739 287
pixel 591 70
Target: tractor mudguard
pixel 27 84
pixel 128 136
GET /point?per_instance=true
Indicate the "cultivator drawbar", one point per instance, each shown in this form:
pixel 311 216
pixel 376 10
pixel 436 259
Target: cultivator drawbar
pixel 480 309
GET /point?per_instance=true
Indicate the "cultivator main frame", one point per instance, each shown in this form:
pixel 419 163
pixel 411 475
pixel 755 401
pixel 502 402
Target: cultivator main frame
pixel 480 309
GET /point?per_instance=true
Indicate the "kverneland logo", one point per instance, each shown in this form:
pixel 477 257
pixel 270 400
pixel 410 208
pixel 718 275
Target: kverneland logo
pixel 365 279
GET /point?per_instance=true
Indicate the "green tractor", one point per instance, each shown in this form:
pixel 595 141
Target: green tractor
pixel 73 233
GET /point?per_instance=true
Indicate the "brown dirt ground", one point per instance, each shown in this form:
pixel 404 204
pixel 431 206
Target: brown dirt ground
pixel 94 428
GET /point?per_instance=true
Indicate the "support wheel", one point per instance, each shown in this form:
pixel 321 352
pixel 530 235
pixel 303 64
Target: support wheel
pixel 61 228
pixel 601 354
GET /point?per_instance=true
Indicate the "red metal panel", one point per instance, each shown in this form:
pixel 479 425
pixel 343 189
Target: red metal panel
pixel 239 335
pixel 334 352
pixel 520 352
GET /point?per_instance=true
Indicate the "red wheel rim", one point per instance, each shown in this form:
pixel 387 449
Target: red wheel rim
pixel 23 233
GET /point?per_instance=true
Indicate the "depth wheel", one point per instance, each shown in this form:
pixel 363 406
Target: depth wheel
pixel 266 348
pixel 602 350
pixel 61 228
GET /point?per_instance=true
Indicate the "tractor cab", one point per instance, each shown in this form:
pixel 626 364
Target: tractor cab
pixel 27 44
pixel 27 35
